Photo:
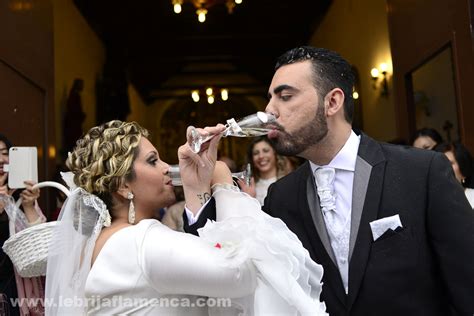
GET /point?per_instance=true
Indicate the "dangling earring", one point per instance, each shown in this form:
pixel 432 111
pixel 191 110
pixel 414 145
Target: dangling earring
pixel 131 209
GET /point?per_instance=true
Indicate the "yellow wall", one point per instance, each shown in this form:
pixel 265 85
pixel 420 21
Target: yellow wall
pixel 358 30
pixel 147 116
pixel 138 108
pixel 78 53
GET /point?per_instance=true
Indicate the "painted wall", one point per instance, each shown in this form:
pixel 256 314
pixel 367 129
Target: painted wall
pixel 138 109
pixel 435 96
pixel 148 116
pixel 78 53
pixel 358 30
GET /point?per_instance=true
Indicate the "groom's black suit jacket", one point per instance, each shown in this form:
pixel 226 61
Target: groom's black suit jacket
pixel 425 268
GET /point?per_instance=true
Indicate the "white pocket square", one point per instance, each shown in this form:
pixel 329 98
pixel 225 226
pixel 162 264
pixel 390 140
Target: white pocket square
pixel 380 226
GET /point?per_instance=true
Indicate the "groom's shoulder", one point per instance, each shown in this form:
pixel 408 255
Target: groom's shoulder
pixel 403 154
pixel 408 155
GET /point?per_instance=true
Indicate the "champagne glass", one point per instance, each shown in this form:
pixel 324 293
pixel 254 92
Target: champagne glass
pixel 249 126
pixel 173 173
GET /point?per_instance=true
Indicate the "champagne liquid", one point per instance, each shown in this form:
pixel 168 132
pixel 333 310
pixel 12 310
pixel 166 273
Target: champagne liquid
pixel 252 132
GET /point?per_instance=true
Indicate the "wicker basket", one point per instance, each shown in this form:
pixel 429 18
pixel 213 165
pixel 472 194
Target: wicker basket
pixel 28 249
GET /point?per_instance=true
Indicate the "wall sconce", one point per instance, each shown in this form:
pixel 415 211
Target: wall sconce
pixel 355 95
pixel 210 95
pixel 380 73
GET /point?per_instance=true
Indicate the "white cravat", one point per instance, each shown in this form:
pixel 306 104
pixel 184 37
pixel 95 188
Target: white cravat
pixel 338 222
pixel 325 177
pixel 337 225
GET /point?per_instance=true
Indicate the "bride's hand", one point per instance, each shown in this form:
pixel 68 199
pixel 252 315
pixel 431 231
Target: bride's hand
pixel 197 169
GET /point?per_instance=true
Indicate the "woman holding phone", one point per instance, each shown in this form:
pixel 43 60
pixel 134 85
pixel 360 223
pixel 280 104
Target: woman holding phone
pixel 13 286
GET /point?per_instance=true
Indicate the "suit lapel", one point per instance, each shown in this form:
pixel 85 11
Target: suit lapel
pixel 359 190
pixel 316 230
pixel 317 216
pixel 371 153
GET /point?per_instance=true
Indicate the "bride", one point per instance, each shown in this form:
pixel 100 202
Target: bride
pixel 109 256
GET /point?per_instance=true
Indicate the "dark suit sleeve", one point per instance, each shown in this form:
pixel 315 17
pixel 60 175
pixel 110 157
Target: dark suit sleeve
pixel 266 203
pixel 450 221
pixel 209 212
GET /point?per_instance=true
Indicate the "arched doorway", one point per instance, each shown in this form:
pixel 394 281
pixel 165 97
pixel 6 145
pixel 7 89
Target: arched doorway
pixel 182 113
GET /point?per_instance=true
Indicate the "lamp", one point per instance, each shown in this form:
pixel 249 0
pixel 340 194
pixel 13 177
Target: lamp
pixel 177 6
pixel 195 95
pixel 224 94
pixel 380 73
pixel 202 6
pixel 210 95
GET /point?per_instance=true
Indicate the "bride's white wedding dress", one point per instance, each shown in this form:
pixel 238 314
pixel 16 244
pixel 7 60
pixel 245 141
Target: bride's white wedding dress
pixel 246 257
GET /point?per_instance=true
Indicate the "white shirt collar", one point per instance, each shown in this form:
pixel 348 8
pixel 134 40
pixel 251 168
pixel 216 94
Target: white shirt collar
pixel 346 157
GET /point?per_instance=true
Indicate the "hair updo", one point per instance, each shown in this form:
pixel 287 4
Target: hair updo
pixel 103 158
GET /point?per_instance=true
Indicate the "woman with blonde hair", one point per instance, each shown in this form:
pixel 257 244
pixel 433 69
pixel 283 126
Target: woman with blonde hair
pixel 109 256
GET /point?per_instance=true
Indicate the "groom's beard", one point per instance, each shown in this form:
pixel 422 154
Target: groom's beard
pixel 292 144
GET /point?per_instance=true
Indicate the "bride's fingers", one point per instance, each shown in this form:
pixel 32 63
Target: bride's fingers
pixel 191 133
pixel 213 145
pixel 214 130
pixel 197 159
pixel 206 131
pixel 186 153
pixel 210 147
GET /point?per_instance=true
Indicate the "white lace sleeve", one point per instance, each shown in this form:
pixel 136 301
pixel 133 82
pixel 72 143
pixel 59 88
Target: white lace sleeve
pixel 41 218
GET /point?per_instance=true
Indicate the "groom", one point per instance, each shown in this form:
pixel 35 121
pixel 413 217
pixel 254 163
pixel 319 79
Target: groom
pixel 390 224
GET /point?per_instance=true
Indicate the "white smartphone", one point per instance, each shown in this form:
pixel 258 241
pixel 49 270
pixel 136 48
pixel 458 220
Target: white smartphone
pixel 23 166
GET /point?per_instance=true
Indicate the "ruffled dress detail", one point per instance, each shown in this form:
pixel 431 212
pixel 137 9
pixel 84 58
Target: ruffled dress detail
pixel 289 280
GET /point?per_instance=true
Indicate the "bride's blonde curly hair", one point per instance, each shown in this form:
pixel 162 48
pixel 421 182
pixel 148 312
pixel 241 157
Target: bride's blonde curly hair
pixel 103 158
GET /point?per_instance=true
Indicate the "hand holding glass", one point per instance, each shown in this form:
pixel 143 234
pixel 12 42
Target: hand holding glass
pixel 249 126
pixel 173 173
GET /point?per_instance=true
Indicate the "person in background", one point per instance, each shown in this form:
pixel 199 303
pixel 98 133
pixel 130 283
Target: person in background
pixel 267 167
pixel 173 215
pixel 12 285
pixel 74 116
pixel 426 138
pixel 461 161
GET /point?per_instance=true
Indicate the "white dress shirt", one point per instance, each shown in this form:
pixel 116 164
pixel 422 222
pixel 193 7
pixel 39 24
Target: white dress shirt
pixel 191 217
pixel 344 164
pixel 261 188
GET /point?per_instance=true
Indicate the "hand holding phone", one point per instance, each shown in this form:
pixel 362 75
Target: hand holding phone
pixel 23 166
